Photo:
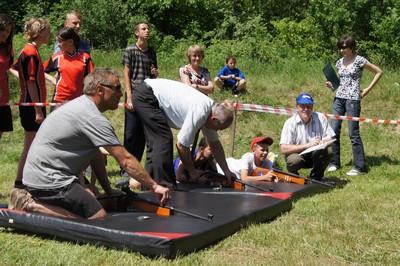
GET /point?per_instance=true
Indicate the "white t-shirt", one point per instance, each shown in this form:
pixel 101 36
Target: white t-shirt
pixel 296 132
pixel 244 163
pixel 186 108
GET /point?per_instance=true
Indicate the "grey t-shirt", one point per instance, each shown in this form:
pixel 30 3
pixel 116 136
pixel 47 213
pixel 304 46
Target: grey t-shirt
pixel 65 144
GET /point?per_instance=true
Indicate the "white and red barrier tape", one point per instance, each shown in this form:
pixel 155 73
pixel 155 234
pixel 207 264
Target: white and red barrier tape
pixel 290 111
pixel 268 109
pixel 43 104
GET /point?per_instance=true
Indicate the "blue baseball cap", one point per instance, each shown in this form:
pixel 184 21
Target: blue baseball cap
pixel 304 98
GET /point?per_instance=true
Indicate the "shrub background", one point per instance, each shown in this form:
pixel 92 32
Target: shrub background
pixel 265 30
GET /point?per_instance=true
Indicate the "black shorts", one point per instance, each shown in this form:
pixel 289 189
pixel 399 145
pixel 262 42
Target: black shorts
pixel 5 119
pixel 28 116
pixel 73 198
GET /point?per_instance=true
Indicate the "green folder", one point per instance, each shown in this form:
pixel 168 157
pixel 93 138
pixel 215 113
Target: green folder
pixel 331 76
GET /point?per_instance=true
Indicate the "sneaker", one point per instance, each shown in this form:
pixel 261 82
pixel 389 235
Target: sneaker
pixel 354 172
pixel 332 168
pixel 20 199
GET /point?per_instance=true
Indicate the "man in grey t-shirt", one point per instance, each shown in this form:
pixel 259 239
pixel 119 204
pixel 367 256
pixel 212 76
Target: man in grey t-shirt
pixel 306 129
pixel 65 144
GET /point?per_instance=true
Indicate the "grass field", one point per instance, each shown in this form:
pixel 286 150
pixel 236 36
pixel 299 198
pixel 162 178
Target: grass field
pixel 356 224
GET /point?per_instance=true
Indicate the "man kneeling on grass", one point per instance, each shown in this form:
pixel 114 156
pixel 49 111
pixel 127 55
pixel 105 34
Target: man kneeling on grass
pixel 306 129
pixel 65 144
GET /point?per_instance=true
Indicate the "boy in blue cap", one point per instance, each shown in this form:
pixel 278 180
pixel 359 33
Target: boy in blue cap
pixel 306 129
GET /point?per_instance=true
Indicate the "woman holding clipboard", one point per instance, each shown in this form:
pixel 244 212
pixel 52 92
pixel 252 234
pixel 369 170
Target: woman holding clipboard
pixel 348 101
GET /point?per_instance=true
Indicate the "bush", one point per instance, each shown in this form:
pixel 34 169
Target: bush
pixel 263 30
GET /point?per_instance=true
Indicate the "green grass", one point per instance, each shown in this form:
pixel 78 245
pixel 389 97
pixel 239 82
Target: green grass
pixel 356 224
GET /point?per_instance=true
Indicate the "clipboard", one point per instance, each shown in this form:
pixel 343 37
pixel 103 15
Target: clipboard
pixel 331 76
pixel 318 147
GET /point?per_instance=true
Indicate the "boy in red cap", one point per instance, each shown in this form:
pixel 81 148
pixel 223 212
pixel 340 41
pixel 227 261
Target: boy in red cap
pixel 244 167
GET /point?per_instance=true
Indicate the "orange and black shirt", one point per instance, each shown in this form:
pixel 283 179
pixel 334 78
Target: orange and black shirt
pixel 71 70
pixel 30 68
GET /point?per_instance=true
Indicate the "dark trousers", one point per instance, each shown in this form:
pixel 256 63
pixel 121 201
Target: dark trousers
pixel 352 108
pixel 317 160
pixel 134 140
pixel 159 161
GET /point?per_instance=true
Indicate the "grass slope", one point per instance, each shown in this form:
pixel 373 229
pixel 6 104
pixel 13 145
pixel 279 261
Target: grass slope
pixel 356 224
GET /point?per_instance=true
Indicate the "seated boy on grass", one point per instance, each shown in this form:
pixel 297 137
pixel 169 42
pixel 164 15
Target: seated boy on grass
pixel 230 77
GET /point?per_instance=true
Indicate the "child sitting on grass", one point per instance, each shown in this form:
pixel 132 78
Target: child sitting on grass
pixel 230 77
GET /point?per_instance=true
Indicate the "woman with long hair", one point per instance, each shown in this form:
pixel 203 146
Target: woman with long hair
pixel 32 84
pixel 348 101
pixel 71 65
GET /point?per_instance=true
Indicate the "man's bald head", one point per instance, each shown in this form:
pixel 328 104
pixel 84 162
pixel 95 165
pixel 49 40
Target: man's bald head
pixel 222 115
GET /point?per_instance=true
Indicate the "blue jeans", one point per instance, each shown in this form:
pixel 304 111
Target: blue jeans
pixel 352 108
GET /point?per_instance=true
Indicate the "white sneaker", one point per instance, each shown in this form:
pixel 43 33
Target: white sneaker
pixel 331 168
pixel 354 172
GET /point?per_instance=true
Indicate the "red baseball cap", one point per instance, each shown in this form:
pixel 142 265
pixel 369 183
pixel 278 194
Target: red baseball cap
pixel 257 140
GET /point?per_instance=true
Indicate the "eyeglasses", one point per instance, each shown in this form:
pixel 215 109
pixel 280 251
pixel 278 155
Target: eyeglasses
pixel 305 106
pixel 114 88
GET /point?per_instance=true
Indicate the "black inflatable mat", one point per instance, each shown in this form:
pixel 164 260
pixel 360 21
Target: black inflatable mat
pixel 279 190
pixel 153 235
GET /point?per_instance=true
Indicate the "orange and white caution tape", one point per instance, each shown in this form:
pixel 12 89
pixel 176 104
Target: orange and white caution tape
pixel 263 109
pixel 363 119
pixel 45 104
pixel 290 112
pixel 37 104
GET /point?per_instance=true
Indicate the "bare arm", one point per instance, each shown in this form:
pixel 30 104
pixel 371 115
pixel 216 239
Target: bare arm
pixel 246 177
pixel 186 158
pixel 288 149
pixel 32 89
pixel 14 72
pixel 184 77
pixel 206 89
pixel 99 167
pixel 50 78
pixel 378 73
pixel 154 71
pixel 219 156
pixel 128 88
pixel 135 169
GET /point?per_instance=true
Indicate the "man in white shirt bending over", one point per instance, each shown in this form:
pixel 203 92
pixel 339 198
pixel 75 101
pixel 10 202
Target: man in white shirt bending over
pixel 162 104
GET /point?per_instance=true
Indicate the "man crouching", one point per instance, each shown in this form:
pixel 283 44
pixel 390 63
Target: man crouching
pixel 66 142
